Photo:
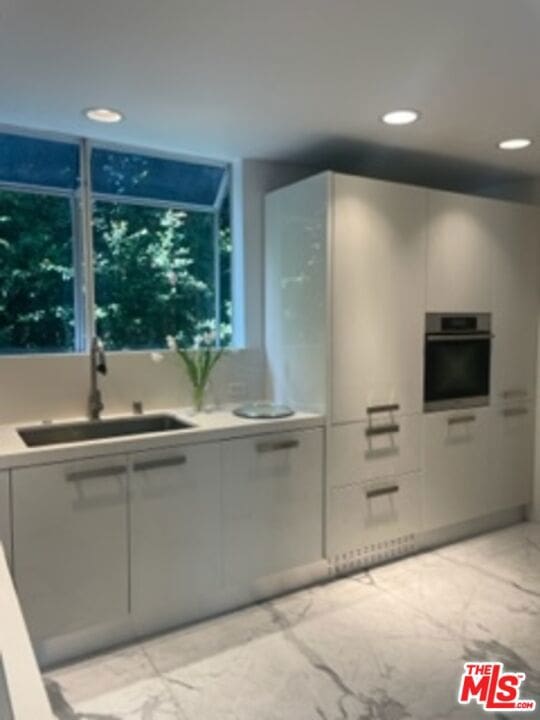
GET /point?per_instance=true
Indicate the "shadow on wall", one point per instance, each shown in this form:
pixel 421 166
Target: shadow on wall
pixel 417 168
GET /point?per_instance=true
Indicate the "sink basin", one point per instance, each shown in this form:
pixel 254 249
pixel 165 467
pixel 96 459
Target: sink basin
pixel 56 434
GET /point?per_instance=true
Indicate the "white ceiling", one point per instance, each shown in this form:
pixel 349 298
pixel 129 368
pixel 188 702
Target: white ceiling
pixel 282 79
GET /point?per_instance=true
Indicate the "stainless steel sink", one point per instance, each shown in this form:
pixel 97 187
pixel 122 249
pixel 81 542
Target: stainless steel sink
pixel 82 431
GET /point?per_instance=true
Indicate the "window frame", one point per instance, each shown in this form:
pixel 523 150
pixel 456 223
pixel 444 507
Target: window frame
pixel 82 199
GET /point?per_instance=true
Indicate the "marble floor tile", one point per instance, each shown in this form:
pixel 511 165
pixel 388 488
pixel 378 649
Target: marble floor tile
pixel 387 644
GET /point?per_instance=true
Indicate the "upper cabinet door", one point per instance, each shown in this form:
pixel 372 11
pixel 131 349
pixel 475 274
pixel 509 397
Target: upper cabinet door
pixel 378 273
pixel 515 301
pixel 460 230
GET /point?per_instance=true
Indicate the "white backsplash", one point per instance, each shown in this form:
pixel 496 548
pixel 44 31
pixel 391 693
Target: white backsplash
pixel 53 387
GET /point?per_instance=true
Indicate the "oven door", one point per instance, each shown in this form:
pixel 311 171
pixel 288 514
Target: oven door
pixel 457 371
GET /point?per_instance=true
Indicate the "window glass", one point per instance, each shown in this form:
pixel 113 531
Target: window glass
pixel 33 161
pixel 154 178
pixel 160 239
pixel 154 274
pixel 36 273
pixel 225 270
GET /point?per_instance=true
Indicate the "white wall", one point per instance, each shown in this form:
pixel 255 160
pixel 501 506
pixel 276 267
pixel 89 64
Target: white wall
pixel 253 179
pixel 48 387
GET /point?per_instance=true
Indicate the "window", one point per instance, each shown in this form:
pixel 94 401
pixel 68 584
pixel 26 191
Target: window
pixel 38 181
pixel 159 237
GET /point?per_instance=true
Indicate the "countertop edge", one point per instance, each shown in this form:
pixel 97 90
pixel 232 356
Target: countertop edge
pixel 213 426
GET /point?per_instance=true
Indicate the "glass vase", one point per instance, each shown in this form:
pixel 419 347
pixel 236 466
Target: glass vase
pixel 198 397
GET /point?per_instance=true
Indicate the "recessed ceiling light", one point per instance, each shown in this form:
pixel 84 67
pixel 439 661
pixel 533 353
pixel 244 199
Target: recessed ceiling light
pixel 104 115
pixel 515 144
pixel 400 117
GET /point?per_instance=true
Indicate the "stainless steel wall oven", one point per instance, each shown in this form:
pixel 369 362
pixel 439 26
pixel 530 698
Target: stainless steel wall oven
pixel 457 358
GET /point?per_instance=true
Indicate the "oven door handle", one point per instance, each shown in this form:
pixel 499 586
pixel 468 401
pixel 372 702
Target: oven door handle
pixel 458 337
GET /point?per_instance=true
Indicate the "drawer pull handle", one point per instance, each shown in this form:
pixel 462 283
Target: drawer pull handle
pixel 517 393
pixel 157 464
pixel 265 447
pixel 374 409
pixel 512 412
pixel 382 430
pixel 378 492
pixel 460 419
pixel 112 471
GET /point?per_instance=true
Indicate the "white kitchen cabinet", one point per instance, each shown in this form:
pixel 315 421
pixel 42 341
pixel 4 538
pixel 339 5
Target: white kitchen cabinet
pixel 175 504
pixel 272 504
pixel 71 539
pixel 511 455
pixel 296 246
pixel 378 296
pixel 515 301
pixel 5 514
pixel 457 467
pixel 460 237
pixel 373 519
pixel 382 447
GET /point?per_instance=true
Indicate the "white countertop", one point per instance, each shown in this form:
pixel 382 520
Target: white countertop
pixel 26 692
pixel 208 426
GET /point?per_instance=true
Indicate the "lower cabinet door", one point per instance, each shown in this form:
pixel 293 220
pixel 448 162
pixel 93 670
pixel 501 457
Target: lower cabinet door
pixel 175 499
pixel 5 520
pixel 512 456
pixel 457 467
pixel 272 503
pixel 70 532
pixel 379 511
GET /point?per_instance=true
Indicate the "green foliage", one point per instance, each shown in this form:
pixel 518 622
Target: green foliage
pixel 154 274
pixel 36 273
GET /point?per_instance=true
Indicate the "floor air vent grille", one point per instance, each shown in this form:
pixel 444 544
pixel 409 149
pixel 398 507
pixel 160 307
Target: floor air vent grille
pixel 372 554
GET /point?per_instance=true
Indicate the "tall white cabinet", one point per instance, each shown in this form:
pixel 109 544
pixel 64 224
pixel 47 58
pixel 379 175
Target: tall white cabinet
pixel 377 297
pixel 352 267
pixel 362 248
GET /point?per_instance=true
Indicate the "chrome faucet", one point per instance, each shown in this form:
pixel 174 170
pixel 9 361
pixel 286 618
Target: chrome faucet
pixel 98 364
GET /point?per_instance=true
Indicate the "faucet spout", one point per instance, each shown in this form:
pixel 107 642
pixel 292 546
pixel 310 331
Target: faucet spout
pixel 98 364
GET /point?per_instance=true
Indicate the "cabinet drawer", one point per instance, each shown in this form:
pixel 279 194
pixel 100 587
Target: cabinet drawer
pixel 383 447
pixel 379 510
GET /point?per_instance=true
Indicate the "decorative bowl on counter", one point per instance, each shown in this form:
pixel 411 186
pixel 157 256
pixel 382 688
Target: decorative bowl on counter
pixel 263 410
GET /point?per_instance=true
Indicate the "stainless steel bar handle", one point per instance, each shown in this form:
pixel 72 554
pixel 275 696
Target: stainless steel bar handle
pixel 158 464
pixel 515 393
pixel 111 471
pixel 461 419
pixel 454 337
pixel 512 412
pixel 264 447
pixel 391 407
pixel 377 492
pixel 382 430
